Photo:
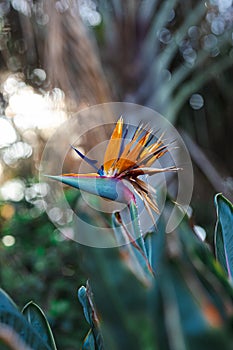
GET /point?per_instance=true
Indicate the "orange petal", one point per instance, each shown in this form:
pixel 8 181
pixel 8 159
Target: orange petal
pixel 155 157
pixel 81 175
pixel 129 157
pixel 113 148
pixel 134 153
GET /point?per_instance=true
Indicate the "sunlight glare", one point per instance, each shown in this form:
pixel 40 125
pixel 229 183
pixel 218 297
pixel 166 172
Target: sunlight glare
pixel 13 190
pixel 32 110
pixel 7 133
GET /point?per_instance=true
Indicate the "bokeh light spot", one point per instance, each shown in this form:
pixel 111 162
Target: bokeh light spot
pixel 7 211
pixel 200 232
pixel 19 150
pixel 164 36
pixel 196 101
pixel 88 12
pixel 13 190
pixel 7 133
pixel 218 25
pixel 8 240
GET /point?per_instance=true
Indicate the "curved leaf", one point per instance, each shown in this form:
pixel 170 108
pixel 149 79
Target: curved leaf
pixel 6 303
pixel 135 257
pixel 93 340
pixel 155 243
pixel 224 234
pixel 10 316
pixel 38 321
pixel 82 295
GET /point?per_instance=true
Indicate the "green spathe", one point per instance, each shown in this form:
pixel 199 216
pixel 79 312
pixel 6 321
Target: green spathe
pixel 106 187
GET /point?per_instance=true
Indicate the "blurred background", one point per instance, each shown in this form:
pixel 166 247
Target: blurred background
pixel 58 57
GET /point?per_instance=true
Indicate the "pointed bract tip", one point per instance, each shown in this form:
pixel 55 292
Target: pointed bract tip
pixel 53 177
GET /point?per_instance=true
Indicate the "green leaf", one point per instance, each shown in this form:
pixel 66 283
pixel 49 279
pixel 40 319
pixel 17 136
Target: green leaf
pixel 89 342
pixel 82 295
pixel 208 271
pixel 155 243
pixel 38 321
pixel 135 252
pixel 6 303
pixel 93 339
pixel 224 234
pixel 106 187
pixel 120 299
pixel 10 316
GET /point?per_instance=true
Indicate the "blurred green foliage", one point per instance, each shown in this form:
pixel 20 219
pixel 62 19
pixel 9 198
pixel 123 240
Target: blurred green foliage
pixel 44 267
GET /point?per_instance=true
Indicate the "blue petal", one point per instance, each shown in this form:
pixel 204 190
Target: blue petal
pixel 91 162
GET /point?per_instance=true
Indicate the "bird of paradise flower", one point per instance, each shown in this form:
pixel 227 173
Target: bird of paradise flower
pixel 123 162
pixel 126 160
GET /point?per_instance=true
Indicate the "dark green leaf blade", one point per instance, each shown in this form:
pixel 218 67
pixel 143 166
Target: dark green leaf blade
pixel 39 323
pixel 6 303
pixel 82 295
pixel 93 339
pixel 135 252
pixel 10 316
pixel 224 234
